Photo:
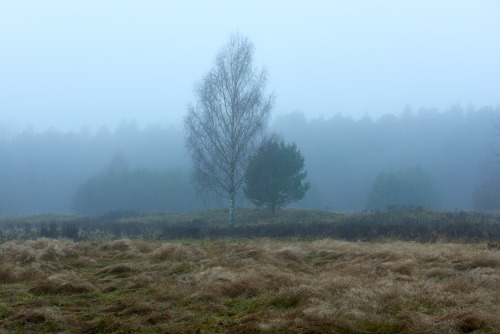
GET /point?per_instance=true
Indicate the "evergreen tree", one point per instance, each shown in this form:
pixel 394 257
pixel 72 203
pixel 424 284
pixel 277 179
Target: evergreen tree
pixel 275 174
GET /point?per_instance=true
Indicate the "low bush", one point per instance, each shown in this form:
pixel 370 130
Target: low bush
pixel 414 224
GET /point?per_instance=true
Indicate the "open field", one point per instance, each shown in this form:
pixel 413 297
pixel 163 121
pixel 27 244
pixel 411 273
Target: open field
pixel 248 285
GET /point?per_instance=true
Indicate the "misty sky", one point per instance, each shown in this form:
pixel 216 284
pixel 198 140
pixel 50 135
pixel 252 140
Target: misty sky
pixel 71 64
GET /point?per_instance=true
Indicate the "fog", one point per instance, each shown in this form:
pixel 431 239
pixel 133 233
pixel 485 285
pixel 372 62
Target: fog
pixel 42 172
pixel 95 92
pixel 80 64
pixel 343 156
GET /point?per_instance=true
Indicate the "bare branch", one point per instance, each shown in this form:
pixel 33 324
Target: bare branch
pixel 230 114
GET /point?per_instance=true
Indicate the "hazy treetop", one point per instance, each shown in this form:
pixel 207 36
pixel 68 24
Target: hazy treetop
pixel 70 64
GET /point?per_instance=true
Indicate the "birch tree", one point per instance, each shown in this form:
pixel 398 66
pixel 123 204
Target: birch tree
pixel 223 127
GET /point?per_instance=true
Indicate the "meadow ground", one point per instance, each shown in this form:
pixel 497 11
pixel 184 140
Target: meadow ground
pixel 248 285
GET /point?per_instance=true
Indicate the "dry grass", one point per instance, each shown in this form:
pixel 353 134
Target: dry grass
pixel 248 286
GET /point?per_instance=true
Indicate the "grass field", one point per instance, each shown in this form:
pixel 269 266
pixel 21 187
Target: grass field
pixel 248 285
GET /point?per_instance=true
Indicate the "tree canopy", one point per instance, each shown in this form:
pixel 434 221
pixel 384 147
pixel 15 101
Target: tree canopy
pixel 138 190
pixel 275 174
pixel 405 188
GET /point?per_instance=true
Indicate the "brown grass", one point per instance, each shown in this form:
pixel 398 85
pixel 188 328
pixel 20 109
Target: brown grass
pixel 246 286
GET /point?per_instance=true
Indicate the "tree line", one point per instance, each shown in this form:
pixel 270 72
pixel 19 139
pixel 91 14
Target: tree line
pixel 345 156
pixel 41 172
pixel 442 156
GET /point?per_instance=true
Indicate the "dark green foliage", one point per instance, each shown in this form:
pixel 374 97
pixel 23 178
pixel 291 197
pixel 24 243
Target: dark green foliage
pixel 406 188
pixel 140 190
pixel 275 174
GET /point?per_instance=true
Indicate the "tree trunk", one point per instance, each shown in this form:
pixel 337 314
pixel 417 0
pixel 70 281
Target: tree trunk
pixel 231 210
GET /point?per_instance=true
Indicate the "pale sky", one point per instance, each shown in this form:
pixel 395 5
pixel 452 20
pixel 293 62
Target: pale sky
pixel 74 64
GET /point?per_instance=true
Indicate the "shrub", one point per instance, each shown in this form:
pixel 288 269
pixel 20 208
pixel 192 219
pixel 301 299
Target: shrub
pixel 406 188
pixel 139 190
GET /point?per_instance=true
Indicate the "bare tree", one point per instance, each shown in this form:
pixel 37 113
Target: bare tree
pixel 231 112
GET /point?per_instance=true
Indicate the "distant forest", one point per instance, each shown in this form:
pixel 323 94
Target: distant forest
pixel 61 172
